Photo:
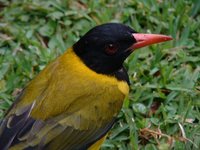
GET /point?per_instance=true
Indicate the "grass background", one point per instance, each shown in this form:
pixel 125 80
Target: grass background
pixel 163 108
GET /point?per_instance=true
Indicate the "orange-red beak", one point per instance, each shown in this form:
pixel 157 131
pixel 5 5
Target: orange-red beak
pixel 143 40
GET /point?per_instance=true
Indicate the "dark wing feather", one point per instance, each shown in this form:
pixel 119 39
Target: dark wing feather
pixel 11 125
pixel 51 135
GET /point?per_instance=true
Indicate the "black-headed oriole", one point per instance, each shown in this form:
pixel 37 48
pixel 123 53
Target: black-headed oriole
pixel 74 101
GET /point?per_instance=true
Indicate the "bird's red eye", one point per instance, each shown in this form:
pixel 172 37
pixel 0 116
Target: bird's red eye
pixel 111 49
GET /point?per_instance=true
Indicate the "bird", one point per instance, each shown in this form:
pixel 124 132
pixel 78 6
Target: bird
pixel 74 101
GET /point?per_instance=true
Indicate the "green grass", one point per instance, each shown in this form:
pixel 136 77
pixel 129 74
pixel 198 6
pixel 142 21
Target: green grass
pixel 163 108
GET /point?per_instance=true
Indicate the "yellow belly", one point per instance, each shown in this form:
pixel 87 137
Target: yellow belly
pixel 97 145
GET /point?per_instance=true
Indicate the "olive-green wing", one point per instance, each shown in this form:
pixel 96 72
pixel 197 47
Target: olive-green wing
pixel 57 133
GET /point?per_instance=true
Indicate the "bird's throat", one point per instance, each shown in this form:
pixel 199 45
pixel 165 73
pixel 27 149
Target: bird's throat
pixel 102 67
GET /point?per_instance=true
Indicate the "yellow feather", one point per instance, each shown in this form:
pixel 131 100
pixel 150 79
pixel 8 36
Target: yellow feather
pixel 97 145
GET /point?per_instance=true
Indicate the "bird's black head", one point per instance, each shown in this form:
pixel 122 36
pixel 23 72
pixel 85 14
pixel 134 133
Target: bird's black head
pixel 105 47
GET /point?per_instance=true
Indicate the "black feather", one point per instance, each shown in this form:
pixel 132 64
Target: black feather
pixel 11 125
